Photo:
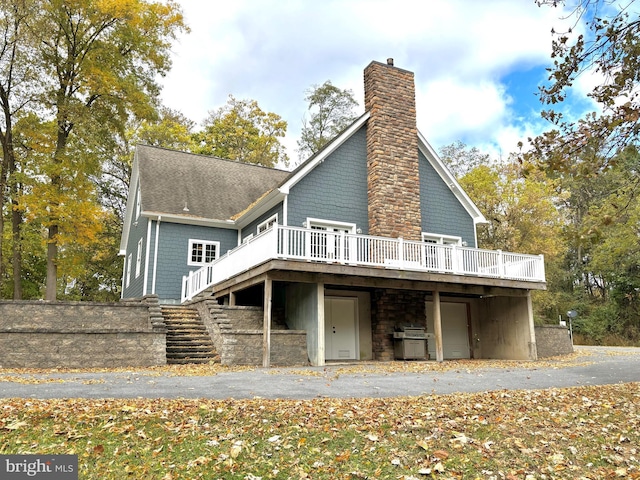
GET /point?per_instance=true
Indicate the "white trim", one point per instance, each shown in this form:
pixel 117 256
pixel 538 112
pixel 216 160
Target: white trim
pixel 129 262
pixel 192 242
pixel 138 204
pixel 319 222
pixel 247 238
pixel 155 258
pixel 205 222
pixel 267 224
pixel 139 257
pixel 442 239
pixel 285 207
pixel 124 269
pixel 146 259
pixel 128 219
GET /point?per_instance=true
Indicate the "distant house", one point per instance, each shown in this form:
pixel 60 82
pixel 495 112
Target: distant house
pixel 368 237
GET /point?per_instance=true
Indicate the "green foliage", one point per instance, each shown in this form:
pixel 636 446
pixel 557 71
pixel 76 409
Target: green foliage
pixel 242 131
pixel 331 110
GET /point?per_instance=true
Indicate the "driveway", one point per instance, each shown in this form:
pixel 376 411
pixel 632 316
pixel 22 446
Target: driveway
pixel 589 366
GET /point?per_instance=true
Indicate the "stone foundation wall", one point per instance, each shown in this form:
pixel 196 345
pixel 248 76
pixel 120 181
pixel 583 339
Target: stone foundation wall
pixel 36 334
pixel 236 332
pixel 392 309
pixel 553 340
pixel 244 347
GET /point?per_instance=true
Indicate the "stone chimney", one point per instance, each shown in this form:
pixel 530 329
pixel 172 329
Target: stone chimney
pixel 392 152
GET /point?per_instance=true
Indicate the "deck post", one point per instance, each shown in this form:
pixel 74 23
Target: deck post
pixel 321 330
pixel 266 335
pixel 437 324
pixel 533 346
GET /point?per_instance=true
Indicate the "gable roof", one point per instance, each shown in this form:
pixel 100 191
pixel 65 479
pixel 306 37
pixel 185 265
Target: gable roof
pixel 198 186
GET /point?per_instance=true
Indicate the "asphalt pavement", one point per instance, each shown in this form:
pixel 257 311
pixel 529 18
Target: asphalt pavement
pixel 593 366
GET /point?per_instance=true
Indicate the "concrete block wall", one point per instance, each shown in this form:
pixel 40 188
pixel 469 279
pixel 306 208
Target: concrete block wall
pixel 553 340
pixel 35 334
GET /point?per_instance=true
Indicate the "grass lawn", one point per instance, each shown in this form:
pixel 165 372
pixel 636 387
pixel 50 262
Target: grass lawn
pixel 574 433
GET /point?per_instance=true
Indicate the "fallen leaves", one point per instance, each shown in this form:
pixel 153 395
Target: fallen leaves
pixel 582 432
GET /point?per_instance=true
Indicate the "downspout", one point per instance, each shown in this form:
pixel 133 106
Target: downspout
pixel 146 260
pixel 155 256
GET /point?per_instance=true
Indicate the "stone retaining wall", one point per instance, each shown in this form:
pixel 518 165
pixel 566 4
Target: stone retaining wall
pixel 244 347
pixel 553 340
pixel 38 334
pixel 237 335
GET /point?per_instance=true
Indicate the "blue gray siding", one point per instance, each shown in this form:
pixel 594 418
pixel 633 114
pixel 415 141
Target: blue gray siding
pixel 442 213
pixel 137 231
pixel 173 251
pixel 252 228
pixel 336 189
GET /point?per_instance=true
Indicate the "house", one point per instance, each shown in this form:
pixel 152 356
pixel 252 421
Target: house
pixel 370 236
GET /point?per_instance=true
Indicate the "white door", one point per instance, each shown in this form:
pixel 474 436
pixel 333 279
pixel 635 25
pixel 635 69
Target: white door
pixel 328 243
pixel 341 326
pixel 455 330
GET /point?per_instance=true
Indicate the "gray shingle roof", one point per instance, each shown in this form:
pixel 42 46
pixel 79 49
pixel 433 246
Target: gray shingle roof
pixel 210 187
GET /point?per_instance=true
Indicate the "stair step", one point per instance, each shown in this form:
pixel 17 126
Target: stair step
pixel 185 361
pixel 192 355
pixel 190 352
pixel 187 339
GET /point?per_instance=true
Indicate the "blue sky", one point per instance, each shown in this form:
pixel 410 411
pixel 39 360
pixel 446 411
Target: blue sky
pixel 477 64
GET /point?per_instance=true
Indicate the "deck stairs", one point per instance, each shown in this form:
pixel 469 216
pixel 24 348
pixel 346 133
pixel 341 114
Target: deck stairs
pixel 187 338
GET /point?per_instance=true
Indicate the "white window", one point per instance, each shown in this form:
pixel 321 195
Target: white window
pixel 129 260
pixel 267 224
pixel 441 239
pixel 138 208
pixel 202 252
pixel 139 258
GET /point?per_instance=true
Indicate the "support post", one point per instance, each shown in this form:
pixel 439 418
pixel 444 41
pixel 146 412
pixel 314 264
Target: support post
pixel 321 331
pixel 232 299
pixel 266 335
pixel 437 326
pixel 533 348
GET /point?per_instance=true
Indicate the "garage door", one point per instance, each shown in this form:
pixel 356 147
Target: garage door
pixel 455 330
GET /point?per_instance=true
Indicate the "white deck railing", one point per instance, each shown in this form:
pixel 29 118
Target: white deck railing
pixel 294 243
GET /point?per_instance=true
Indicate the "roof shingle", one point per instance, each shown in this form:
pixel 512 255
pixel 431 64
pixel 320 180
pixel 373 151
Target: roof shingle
pixel 209 187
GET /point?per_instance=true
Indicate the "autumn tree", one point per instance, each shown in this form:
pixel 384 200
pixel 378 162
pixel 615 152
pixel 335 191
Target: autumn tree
pixel 102 60
pixel 242 131
pixel 331 110
pixel 19 87
pixel 460 159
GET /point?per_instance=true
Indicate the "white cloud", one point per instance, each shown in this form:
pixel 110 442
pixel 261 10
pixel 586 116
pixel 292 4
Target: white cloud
pixel 271 51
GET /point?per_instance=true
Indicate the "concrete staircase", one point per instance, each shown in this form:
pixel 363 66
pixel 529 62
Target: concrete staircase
pixel 187 338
